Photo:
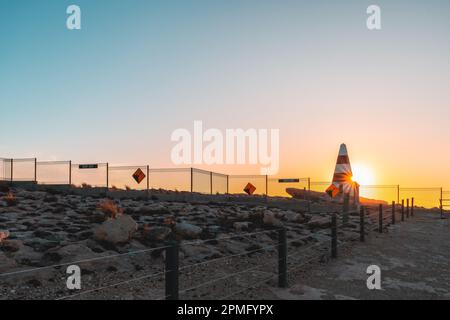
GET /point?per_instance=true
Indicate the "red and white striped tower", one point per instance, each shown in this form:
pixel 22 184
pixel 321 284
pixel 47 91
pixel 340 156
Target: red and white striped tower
pixel 342 178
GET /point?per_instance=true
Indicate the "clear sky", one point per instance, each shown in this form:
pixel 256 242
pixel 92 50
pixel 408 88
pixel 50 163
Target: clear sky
pixel 139 69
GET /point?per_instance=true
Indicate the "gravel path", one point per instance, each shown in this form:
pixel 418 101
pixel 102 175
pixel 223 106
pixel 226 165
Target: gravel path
pixel 414 260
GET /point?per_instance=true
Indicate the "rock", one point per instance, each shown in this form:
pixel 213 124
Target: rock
pixel 240 226
pixel 319 222
pixel 269 219
pixel 115 231
pixel 4 235
pixel 157 233
pixel 27 256
pixel 74 252
pixel 6 264
pixel 187 230
pixel 11 245
pixel 293 217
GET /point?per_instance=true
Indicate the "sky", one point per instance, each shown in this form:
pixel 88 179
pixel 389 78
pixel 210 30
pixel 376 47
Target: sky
pixel 138 70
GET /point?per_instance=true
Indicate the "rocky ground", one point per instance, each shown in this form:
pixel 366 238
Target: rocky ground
pixel 119 244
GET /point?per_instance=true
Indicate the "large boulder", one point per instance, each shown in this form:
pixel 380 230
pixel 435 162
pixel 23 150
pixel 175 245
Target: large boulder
pixel 319 222
pixel 157 233
pixel 116 231
pixel 269 219
pixel 187 230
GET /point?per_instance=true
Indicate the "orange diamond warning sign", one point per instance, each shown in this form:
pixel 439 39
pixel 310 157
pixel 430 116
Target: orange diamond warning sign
pixel 249 189
pixel 139 176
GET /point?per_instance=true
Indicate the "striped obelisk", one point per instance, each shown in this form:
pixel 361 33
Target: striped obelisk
pixel 342 178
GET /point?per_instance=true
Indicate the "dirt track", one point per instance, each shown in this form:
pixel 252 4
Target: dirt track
pixel 413 256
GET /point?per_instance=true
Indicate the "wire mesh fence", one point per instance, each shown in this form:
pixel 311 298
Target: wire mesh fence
pixel 53 172
pixel 143 177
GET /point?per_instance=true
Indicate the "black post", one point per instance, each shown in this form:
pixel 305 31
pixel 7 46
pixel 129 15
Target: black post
pixel 172 266
pixel 407 208
pixel 361 225
pixel 282 258
pixel 148 180
pixel 393 212
pixel 267 185
pixel 70 173
pixel 412 207
pixel 334 236
pixel 192 180
pixel 35 170
pixel 107 176
pixel 403 210
pixel 211 181
pixel 380 219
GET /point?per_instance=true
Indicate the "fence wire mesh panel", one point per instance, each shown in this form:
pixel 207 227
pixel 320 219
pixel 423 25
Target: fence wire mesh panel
pixel 386 193
pixel 24 169
pixel 201 181
pixel 319 186
pixel 219 183
pixel 171 179
pixel 278 187
pixel 53 172
pixel 128 177
pixel 423 197
pixel 90 175
pixel 238 183
pixel 5 169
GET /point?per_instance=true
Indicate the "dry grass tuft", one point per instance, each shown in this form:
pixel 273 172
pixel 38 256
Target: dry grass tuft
pixel 10 199
pixel 110 209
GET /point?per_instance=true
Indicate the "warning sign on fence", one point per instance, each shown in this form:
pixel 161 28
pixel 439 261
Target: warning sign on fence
pixel 249 189
pixel 139 176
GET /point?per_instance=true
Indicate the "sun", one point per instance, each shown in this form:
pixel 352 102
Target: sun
pixel 362 174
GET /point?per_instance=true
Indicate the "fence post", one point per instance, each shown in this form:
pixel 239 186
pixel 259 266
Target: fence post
pixel 441 206
pixel 407 208
pixel 282 258
pixel 398 194
pixel 393 212
pixel 345 208
pixel 361 224
pixel 107 175
pixel 380 219
pixel 148 180
pixel 192 180
pixel 334 236
pixel 171 274
pixel 228 184
pixel 412 207
pixel 12 171
pixel 211 181
pixel 309 195
pixel 403 210
pixel 70 173
pixel 267 185
pixel 35 170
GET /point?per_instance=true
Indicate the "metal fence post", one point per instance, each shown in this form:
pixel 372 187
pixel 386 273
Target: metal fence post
pixel 282 258
pixel 267 185
pixel 107 176
pixel 361 224
pixel 393 212
pixel 407 208
pixel 412 207
pixel 12 171
pixel 228 184
pixel 334 236
pixel 192 180
pixel 380 218
pixel 171 274
pixel 211 181
pixel 403 210
pixel 70 173
pixel 148 180
pixel 35 170
pixel 441 206
pixel 398 194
